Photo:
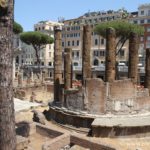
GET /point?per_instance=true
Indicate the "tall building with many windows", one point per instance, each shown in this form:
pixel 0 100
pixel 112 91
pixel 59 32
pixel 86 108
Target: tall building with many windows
pixel 142 17
pixel 47 53
pixel 72 35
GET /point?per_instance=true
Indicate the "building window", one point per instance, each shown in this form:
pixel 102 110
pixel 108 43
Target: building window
pixel 63 44
pixel 72 43
pixel 35 29
pixel 142 12
pixel 96 53
pixel 42 63
pixel 50 63
pixel 39 28
pixel 50 74
pixel 96 42
pixel 102 53
pixel 77 42
pixel 77 54
pixel 141 21
pixel 102 41
pixel 43 28
pixel 96 62
pixel 148 12
pixel 75 64
pixel 148 21
pixel 72 54
pixel 68 43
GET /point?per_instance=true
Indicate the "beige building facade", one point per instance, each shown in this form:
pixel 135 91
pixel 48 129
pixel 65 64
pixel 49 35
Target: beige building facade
pixel 72 35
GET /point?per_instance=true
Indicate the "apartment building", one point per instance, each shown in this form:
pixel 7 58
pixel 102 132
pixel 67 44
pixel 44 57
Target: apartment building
pixel 72 34
pixel 142 17
pixel 47 53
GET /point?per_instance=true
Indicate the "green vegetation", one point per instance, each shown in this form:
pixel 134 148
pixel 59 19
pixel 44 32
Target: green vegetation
pixel 17 28
pixel 123 30
pixel 37 39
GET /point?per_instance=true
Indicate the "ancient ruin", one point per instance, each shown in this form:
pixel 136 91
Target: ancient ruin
pixel 105 107
pixel 96 108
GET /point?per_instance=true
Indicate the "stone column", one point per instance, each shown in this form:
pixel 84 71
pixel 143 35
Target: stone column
pixel 14 68
pixel 86 52
pixel 20 80
pixel 147 69
pixel 28 80
pixel 57 64
pixel 110 59
pixel 67 68
pixel 32 76
pixel 133 57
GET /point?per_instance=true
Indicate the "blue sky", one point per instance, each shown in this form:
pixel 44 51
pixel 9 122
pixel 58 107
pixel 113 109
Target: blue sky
pixel 29 12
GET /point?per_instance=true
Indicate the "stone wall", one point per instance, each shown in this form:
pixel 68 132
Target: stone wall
pixel 57 143
pixel 88 142
pixel 122 90
pixel 98 97
pixel 95 95
pixel 74 99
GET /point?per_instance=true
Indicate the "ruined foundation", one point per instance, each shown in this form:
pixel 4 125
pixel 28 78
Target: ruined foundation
pixel 109 109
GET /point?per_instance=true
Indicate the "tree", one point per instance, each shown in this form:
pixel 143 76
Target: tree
pixel 7 115
pixel 123 30
pixel 37 39
pixel 17 28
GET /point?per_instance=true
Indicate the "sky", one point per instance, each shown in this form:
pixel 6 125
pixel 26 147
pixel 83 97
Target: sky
pixel 29 12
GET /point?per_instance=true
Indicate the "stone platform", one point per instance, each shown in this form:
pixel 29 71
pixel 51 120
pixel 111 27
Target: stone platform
pixel 137 125
pixel 127 125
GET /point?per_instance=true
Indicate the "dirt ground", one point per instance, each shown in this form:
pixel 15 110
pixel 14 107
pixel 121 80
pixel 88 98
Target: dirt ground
pixel 120 143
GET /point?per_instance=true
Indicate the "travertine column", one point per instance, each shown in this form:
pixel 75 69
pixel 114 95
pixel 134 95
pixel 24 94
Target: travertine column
pixel 133 57
pixel 57 64
pixel 20 80
pixel 28 80
pixel 110 59
pixel 68 68
pixel 86 52
pixel 147 69
pixel 32 76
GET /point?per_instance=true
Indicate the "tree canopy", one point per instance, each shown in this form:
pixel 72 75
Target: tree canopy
pixel 37 39
pixel 123 30
pixel 17 28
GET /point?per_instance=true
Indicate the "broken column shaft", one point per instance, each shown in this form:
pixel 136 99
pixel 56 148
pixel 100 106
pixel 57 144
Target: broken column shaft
pixel 67 68
pixel 147 69
pixel 86 52
pixel 133 57
pixel 110 59
pixel 57 64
